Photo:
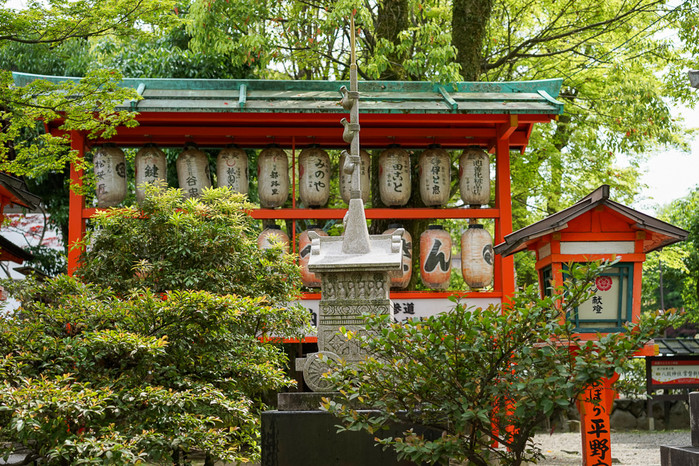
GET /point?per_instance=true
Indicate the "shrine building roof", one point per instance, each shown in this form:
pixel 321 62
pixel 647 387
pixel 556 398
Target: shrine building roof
pixel 410 113
pixel 660 234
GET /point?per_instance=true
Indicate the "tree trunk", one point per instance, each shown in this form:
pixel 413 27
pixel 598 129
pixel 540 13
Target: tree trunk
pixel 468 25
pixel 391 20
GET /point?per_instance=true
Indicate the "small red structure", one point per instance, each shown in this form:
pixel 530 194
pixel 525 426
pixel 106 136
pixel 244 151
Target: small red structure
pixel 13 191
pixel 596 228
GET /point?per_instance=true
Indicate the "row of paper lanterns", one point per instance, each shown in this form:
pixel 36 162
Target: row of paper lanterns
pixel 435 256
pixel 434 169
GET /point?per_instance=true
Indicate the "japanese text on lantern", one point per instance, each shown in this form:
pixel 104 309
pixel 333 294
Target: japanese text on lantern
pixel 275 181
pixel 397 177
pixel 317 183
pixel 233 175
pixel 477 176
pixel 435 170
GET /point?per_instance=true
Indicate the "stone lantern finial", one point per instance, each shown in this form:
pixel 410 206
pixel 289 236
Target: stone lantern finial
pixel 353 268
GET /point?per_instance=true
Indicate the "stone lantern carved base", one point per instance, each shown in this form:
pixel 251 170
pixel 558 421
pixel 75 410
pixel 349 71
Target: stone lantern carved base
pixel 347 298
pixel 353 285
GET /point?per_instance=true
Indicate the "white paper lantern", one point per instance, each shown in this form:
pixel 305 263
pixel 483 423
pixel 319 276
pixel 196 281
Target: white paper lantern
pixel 364 177
pixel 270 236
pixel 434 168
pixel 193 171
pixel 401 278
pixel 232 169
pixel 435 257
pixel 314 177
pixel 394 177
pixel 151 167
pixel 110 176
pixel 272 177
pixel 477 257
pixel 474 177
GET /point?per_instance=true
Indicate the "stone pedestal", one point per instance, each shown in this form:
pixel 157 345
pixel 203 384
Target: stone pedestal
pixel 299 434
pixel 689 455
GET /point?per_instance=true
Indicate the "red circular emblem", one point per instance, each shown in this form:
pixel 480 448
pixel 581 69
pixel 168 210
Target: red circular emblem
pixel 603 283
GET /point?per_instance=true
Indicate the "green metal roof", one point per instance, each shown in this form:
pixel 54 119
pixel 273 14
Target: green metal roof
pixel 245 95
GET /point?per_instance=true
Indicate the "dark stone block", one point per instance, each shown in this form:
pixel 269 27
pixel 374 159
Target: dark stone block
pixel 679 456
pixel 303 438
pixel 301 401
pixel 694 417
pixel 679 416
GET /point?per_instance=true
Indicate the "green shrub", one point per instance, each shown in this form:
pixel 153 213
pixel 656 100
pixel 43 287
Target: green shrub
pixel 470 373
pixel 165 346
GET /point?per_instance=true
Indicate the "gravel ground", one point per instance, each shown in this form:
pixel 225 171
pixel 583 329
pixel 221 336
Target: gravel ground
pixel 640 448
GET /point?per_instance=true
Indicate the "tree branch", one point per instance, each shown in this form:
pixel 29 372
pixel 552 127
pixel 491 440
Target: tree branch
pixel 518 51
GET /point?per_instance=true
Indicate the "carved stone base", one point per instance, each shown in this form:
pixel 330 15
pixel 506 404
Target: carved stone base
pixel 313 366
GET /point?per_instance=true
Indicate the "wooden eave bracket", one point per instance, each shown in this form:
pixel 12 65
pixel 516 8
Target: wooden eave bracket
pixel 243 95
pixel 139 90
pixel 529 127
pixel 505 130
pixel 451 103
pixel 550 99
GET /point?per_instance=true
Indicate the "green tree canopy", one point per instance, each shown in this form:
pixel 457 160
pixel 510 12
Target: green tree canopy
pixel 87 106
pixel 680 262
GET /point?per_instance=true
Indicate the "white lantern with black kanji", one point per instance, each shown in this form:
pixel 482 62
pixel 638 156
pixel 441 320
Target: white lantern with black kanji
pixel 434 169
pixel 193 171
pixel 401 278
pixel 151 167
pixel 110 176
pixel 364 177
pixel 308 278
pixel 272 177
pixel 435 257
pixel 474 177
pixel 394 177
pixel 272 235
pixel 232 169
pixel 314 177
pixel 477 257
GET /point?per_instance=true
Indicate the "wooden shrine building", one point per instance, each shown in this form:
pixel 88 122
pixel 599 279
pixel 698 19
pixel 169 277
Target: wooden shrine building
pixel 253 114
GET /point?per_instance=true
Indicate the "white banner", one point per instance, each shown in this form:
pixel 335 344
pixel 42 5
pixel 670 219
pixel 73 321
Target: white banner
pixel 404 309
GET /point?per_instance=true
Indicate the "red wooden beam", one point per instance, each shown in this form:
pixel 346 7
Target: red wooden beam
pixel 329 214
pixel 331 119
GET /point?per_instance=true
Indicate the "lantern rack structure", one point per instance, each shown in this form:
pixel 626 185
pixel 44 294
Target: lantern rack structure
pixel 497 117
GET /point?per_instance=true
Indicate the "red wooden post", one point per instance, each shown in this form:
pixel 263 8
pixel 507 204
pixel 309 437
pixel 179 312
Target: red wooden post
pixel 504 269
pixel 504 266
pixel 76 222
